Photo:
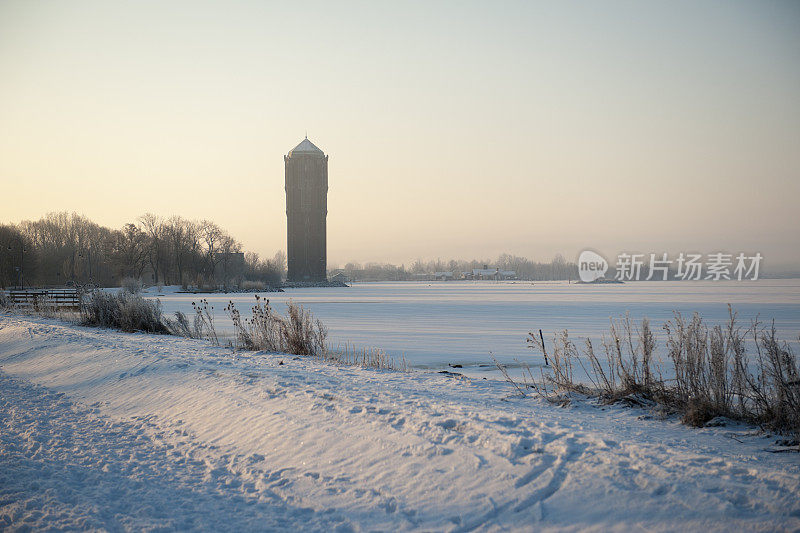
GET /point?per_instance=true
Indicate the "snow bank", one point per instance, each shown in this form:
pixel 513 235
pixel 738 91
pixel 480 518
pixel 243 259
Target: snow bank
pixel 141 431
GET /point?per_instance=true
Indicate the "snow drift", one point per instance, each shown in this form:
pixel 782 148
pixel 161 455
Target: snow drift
pixel 133 431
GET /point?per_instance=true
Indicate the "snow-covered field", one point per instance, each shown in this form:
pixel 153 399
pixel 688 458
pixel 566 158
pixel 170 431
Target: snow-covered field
pixel 100 429
pixel 439 323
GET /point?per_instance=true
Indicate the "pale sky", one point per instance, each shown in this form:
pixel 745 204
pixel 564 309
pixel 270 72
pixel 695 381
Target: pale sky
pixel 453 129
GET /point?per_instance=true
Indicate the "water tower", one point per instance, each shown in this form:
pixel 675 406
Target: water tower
pixel 306 212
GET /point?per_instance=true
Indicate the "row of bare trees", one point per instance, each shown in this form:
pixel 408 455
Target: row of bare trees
pixel 66 247
pixel 557 269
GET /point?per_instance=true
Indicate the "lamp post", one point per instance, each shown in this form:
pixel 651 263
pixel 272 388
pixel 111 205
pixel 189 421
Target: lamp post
pixel 20 277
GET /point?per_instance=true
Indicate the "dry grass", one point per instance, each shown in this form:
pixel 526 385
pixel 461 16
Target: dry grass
pixel 299 333
pixel 366 357
pixel 124 311
pixel 201 327
pixel 252 285
pixel 714 374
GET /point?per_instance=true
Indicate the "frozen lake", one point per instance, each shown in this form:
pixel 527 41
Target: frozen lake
pixel 434 324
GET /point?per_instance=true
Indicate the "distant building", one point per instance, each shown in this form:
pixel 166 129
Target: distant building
pixel 230 260
pixel 443 276
pixel 491 273
pixel 228 267
pixel 339 277
pixel 306 212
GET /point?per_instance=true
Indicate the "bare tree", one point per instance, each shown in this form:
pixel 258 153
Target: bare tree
pixel 212 238
pixel 153 227
pixel 61 247
pixel 228 247
pixel 279 262
pixel 180 236
pixel 130 251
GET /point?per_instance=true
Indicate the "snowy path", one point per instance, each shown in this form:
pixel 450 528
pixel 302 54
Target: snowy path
pixel 162 432
pixel 65 467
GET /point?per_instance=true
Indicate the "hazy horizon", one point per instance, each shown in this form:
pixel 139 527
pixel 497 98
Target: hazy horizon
pixel 454 130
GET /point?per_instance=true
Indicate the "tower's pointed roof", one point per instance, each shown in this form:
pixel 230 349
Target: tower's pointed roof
pixel 305 147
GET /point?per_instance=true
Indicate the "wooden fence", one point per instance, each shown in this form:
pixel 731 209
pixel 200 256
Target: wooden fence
pixel 67 298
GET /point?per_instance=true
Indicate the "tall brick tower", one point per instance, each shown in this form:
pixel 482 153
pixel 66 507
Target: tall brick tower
pixel 306 212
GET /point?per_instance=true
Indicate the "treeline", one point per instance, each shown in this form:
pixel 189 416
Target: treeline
pixel 65 247
pixel 62 248
pixel 525 269
pixel 557 269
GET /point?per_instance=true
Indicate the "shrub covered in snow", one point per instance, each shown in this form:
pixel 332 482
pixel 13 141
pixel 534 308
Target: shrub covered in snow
pixel 5 301
pixel 125 311
pixel 131 285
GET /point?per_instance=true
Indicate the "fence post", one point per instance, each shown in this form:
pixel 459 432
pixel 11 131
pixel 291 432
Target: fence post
pixel 544 350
